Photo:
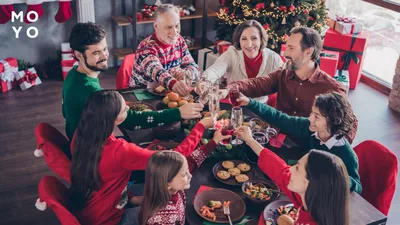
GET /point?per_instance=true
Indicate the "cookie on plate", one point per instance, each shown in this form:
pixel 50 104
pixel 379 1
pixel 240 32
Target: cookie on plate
pixel 244 167
pixel 222 174
pixel 228 164
pixel 234 171
pixel 241 178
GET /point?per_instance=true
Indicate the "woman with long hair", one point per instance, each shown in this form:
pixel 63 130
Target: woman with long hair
pixel 318 184
pixel 168 174
pixel 330 121
pixel 102 164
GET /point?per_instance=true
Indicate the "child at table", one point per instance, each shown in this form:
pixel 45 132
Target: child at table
pixel 102 163
pixel 168 174
pixel 325 129
pixel 318 184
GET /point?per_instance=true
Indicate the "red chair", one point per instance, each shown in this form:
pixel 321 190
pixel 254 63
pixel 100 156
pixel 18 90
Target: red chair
pixel 378 168
pixel 125 72
pixel 53 194
pixel 55 148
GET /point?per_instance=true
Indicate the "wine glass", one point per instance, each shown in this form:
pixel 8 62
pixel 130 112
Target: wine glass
pixel 227 129
pixel 188 78
pixel 203 90
pixel 213 105
pixel 237 121
pixel 234 94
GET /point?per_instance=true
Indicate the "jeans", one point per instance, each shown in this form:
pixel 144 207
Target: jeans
pixel 130 216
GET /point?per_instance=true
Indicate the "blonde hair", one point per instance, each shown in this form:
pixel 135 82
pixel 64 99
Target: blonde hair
pixel 165 8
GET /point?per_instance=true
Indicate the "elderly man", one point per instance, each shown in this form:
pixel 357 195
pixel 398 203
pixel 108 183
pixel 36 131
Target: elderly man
pixel 163 58
pixel 301 80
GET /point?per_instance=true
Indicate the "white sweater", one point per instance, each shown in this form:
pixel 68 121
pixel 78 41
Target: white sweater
pixel 231 64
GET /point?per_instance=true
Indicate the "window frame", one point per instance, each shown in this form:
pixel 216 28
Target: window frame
pixel 387 4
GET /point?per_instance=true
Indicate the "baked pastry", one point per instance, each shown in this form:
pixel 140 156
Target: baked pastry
pixel 228 164
pixel 284 220
pixel 159 89
pixel 244 167
pixel 234 171
pixel 241 178
pixel 222 174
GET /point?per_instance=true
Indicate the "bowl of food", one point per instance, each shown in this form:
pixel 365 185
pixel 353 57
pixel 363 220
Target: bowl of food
pixel 260 191
pixel 141 106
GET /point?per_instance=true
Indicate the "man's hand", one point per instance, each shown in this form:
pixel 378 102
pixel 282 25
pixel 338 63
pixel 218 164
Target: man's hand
pixel 181 88
pixel 218 137
pixel 244 133
pixel 191 110
pixel 243 100
pixel 209 122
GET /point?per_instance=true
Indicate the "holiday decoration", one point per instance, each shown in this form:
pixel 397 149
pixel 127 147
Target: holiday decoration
pixel 28 78
pixel 64 11
pixel 328 61
pixel 342 76
pixel 33 6
pixel 8 71
pixel 67 60
pixel 6 9
pixel 345 25
pixel 280 16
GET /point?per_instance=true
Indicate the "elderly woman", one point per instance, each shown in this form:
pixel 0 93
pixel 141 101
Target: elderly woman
pixel 247 58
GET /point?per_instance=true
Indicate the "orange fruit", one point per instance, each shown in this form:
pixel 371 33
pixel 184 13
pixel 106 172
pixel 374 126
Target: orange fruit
pixel 165 100
pixel 182 102
pixel 172 105
pixel 173 97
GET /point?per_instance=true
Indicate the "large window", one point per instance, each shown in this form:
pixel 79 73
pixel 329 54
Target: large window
pixel 383 46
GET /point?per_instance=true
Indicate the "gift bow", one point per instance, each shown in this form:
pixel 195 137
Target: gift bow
pixel 345 19
pixel 340 77
pixel 29 77
pixel 9 72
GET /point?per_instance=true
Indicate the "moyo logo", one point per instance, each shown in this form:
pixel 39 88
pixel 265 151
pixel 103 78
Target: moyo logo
pixel 31 29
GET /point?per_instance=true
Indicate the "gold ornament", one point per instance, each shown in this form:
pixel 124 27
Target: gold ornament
pixel 272 5
pixel 297 24
pixel 284 20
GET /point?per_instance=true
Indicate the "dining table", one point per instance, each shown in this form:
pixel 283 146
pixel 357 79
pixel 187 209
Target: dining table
pixel 361 211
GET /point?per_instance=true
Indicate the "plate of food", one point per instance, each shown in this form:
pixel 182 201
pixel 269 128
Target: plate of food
pixel 209 205
pixel 234 172
pixel 260 191
pixel 163 145
pixel 141 106
pixel 159 91
pixel 280 210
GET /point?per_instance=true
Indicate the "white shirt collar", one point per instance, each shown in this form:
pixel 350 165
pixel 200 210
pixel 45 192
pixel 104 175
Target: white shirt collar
pixel 331 142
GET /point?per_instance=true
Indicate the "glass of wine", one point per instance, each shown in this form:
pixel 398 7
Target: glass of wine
pixel 234 94
pixel 227 129
pixel 203 89
pixel 237 121
pixel 213 105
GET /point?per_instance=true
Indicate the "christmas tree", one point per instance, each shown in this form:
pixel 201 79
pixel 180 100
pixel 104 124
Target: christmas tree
pixel 277 17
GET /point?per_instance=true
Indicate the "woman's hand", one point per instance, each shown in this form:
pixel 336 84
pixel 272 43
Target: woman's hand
pixel 243 100
pixel 218 137
pixel 244 133
pixel 209 122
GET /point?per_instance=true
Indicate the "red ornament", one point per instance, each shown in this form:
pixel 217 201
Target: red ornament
pixel 291 8
pixel 226 10
pixel 154 7
pixel 146 6
pixel 182 14
pixel 283 8
pixel 139 16
pixel 306 11
pixel 260 6
pixel 266 26
pixel 311 18
pixel 232 15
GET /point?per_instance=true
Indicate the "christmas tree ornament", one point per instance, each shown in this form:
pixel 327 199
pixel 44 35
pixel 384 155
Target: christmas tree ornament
pixel 272 5
pixel 311 18
pixel 33 6
pixel 266 26
pixel 64 12
pixel 306 11
pixel 297 24
pixel 291 8
pixel 284 20
pixel 158 3
pixel 6 9
pixel 317 16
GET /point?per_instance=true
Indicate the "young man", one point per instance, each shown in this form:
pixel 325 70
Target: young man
pixel 301 80
pixel 89 44
pixel 163 58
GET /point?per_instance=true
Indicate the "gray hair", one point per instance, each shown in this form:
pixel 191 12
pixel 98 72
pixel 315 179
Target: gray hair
pixel 166 8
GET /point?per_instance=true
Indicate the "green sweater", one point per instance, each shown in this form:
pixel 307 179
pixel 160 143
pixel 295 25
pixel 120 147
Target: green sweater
pixel 299 127
pixel 77 89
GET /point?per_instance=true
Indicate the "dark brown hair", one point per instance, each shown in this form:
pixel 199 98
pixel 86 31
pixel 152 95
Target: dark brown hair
pixel 246 24
pixel 328 191
pixel 310 39
pixel 338 112
pixel 161 169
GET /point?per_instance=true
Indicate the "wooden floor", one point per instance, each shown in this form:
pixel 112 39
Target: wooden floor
pixel 21 111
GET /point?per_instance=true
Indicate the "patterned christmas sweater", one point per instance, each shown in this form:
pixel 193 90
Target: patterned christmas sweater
pixel 77 89
pixel 174 212
pixel 156 62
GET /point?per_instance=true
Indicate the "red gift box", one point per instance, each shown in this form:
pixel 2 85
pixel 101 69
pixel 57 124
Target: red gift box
pixel 328 61
pixel 222 46
pixel 7 78
pixel 351 48
pixel 66 66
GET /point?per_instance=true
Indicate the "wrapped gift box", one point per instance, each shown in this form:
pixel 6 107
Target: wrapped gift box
pixel 66 66
pixel 283 49
pixel 222 46
pixel 8 71
pixel 351 48
pixel 345 25
pixel 66 52
pixel 328 61
pixel 206 57
pixel 28 78
pixel 343 77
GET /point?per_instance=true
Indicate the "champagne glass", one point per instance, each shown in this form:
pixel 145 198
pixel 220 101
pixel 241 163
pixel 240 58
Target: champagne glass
pixel 188 78
pixel 203 90
pixel 213 105
pixel 234 94
pixel 237 121
pixel 227 129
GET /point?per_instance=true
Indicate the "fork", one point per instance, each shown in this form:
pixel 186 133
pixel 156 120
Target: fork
pixel 228 214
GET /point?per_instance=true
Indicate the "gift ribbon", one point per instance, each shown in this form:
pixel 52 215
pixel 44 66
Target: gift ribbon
pixel 348 54
pixel 9 72
pixel 340 77
pixel 29 77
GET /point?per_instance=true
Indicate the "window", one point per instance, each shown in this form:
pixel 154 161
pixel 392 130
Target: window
pixel 383 46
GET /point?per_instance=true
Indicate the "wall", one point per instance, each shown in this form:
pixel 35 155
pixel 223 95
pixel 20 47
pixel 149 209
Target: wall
pixel 52 34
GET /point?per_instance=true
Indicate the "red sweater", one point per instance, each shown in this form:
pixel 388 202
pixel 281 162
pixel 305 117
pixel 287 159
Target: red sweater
pixel 174 212
pixel 253 65
pixel 119 158
pixel 278 171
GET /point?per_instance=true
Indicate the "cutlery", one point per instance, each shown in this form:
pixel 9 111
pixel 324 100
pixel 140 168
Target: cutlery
pixel 227 213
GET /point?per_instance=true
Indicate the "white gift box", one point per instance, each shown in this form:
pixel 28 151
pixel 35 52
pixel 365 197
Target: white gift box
pixel 28 78
pixel 344 79
pixel 345 27
pixel 206 58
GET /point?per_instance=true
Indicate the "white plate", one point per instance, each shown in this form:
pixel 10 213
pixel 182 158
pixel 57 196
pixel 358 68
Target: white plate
pixel 271 208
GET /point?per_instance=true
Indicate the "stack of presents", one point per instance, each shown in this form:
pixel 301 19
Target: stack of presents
pixel 11 77
pixel 342 55
pixel 67 59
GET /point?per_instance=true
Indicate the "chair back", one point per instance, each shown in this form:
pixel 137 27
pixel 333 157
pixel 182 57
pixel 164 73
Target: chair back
pixel 125 72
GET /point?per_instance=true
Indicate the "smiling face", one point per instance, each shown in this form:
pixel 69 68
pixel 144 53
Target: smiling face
pixel 250 42
pixel 95 56
pixel 182 180
pixel 318 122
pixel 168 27
pixel 295 55
pixel 298 176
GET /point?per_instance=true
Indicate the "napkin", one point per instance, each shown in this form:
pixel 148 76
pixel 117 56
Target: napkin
pixel 141 94
pixel 201 189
